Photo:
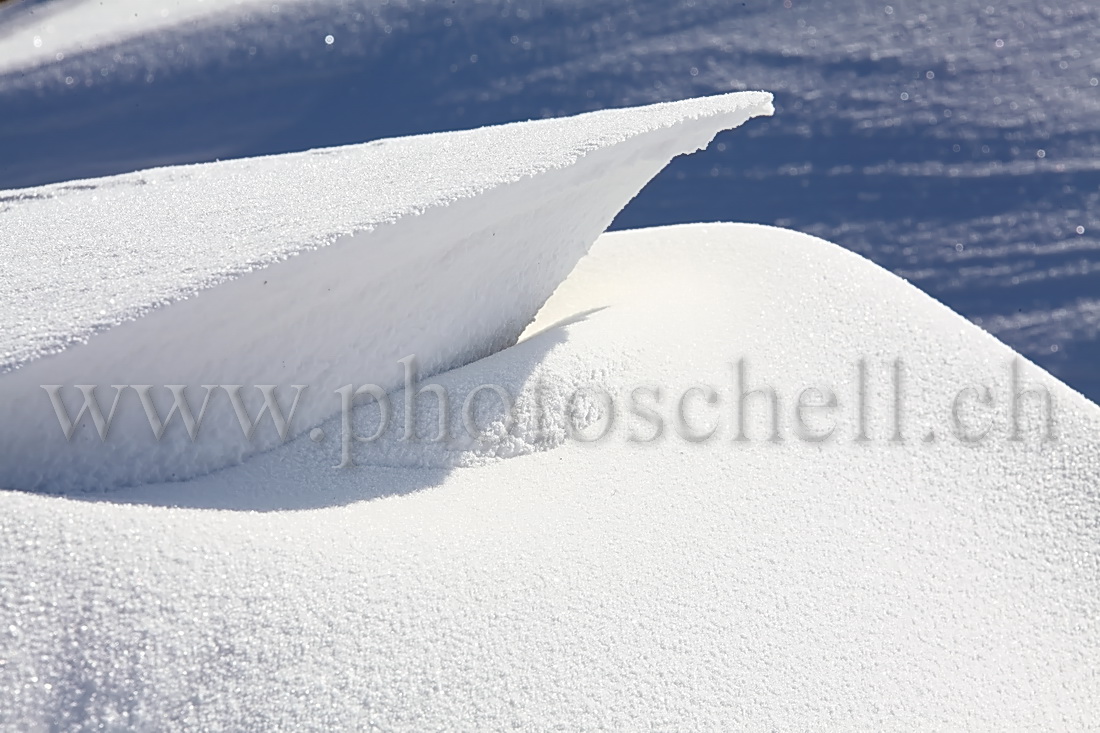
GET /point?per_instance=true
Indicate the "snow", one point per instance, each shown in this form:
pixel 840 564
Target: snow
pixel 440 246
pixel 610 584
pixel 903 136
pixel 41 31
pixel 893 575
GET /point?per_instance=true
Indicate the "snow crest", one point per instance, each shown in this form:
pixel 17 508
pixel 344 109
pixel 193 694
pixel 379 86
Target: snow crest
pixel 318 269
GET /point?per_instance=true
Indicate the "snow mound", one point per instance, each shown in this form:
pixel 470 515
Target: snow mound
pixel 439 246
pixel 876 579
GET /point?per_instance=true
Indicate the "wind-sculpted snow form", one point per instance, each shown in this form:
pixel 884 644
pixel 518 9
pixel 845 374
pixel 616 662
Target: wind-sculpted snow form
pixel 882 561
pixel 305 271
pixel 954 142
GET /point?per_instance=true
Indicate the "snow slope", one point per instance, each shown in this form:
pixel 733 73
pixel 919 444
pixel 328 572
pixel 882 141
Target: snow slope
pixel 624 584
pixel 439 246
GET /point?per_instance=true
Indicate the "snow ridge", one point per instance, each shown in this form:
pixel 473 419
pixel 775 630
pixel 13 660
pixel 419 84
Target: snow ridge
pixel 440 246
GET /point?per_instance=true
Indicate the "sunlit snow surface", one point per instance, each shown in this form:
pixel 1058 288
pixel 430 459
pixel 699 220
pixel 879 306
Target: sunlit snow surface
pixel 627 584
pixel 899 578
pixel 319 269
pixel 955 143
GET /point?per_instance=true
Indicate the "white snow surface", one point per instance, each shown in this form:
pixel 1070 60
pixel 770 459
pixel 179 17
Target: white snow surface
pixel 439 246
pixel 620 584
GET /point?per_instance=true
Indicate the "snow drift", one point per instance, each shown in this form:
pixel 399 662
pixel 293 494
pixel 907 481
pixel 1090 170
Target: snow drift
pixel 779 518
pixel 319 269
pixel 622 584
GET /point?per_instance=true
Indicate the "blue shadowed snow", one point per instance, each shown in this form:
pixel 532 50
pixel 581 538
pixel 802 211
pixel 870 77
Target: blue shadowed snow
pixel 956 143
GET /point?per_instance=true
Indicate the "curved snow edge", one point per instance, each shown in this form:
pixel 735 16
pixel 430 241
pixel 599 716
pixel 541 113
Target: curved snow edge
pixel 449 284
